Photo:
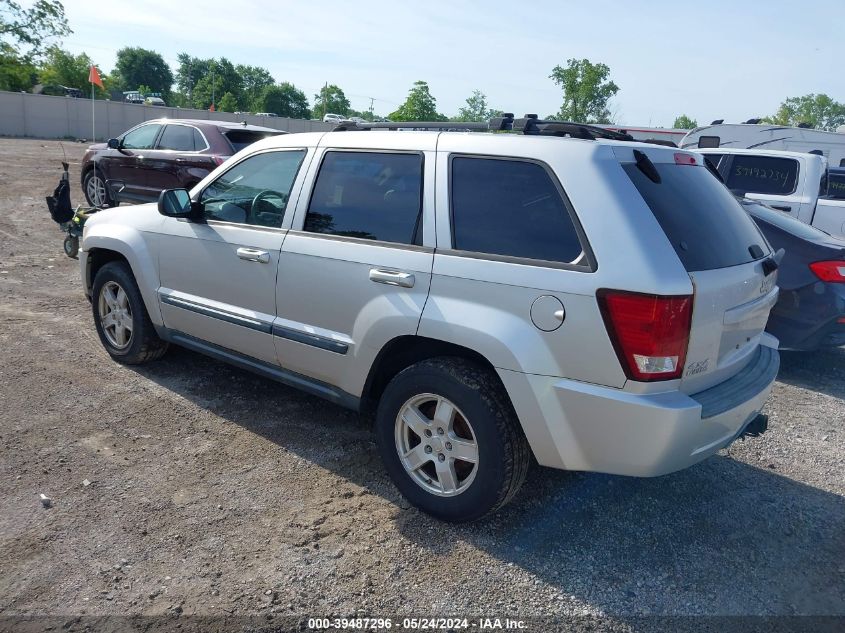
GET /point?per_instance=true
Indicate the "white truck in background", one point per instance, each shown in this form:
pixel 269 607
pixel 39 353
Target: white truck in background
pixel 768 137
pixel 792 182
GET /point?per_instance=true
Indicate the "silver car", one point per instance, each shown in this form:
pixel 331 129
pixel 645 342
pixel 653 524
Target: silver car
pixel 596 305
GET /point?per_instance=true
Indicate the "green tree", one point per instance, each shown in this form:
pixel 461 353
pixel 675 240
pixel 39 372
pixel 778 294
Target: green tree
pixel 66 69
pixel 254 80
pixel 222 77
pixel 817 110
pixel 188 73
pixel 586 91
pixel 284 100
pixel 137 67
pixel 419 106
pixel 330 100
pixel 31 31
pixel 227 103
pixel 25 34
pixel 476 108
pixel 683 122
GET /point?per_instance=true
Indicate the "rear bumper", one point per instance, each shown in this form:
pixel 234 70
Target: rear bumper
pixel 579 426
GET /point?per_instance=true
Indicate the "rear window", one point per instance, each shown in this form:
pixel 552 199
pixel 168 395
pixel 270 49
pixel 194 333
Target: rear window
pixel 836 185
pixel 762 174
pixel 705 224
pixel 239 139
pixel 783 221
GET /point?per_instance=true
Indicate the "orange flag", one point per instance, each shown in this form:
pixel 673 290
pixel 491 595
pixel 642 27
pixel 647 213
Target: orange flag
pixel 94 77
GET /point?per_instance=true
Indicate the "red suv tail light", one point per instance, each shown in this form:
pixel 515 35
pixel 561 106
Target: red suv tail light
pixel 650 333
pixel 829 271
pixel 218 160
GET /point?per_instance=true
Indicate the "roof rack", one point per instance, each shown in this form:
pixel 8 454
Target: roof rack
pixel 530 124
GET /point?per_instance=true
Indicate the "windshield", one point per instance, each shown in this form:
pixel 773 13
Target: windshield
pixel 702 220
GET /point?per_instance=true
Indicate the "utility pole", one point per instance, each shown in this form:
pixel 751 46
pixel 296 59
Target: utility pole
pixel 212 87
pixel 371 108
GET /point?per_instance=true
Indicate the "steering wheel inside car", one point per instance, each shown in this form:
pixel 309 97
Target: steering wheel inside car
pixel 263 198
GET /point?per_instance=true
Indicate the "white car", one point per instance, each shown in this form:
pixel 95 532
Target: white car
pixel 334 118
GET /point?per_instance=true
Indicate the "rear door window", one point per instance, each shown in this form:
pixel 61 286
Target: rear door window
pixel 704 222
pixel 177 137
pixel 510 207
pixel 369 195
pixel 762 174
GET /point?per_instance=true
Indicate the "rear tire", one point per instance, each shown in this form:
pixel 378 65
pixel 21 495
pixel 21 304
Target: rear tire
pixel 121 317
pixel 437 416
pixel 96 192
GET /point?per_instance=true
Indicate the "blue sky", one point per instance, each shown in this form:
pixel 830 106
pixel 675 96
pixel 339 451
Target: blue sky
pixel 714 59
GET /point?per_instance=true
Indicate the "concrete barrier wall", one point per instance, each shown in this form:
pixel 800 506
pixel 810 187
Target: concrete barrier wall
pixel 43 116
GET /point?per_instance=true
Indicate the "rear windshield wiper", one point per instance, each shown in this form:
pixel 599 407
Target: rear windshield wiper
pixel 645 165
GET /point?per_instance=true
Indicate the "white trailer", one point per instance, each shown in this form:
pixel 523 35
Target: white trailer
pixel 768 137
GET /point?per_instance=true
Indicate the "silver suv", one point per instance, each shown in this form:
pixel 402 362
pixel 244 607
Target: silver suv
pixel 597 304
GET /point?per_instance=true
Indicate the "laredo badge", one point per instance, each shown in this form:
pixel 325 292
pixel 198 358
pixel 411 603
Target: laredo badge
pixel 697 367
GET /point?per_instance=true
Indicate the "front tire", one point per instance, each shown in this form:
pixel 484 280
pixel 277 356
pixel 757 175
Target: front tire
pixel 121 318
pixel 96 192
pixel 450 439
pixel 71 246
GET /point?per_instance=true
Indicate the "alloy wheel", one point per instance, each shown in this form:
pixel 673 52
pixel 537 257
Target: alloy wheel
pixel 96 190
pixel 436 445
pixel 115 315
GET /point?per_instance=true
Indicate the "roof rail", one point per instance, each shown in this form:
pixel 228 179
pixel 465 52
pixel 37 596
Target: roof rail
pixel 443 126
pixel 530 124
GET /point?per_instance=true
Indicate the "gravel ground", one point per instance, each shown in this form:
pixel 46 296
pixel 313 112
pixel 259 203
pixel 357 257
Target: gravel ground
pixel 214 492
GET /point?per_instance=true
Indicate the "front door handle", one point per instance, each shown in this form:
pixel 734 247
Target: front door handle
pixel 392 277
pixel 254 255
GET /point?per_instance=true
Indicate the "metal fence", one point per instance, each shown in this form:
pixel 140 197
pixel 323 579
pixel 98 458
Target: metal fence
pixel 43 116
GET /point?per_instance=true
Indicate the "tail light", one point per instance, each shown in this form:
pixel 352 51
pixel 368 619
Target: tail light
pixel 829 271
pixel 650 333
pixel 218 160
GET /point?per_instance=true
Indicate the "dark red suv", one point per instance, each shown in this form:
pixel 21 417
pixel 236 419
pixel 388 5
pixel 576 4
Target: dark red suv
pixel 161 154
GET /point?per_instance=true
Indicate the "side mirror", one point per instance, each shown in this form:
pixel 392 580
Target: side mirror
pixel 114 143
pixel 176 203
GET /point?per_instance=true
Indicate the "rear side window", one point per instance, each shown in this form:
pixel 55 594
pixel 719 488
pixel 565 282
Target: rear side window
pixel 762 174
pixel 705 224
pixel 511 208
pixel 239 139
pixel 369 195
pixel 178 137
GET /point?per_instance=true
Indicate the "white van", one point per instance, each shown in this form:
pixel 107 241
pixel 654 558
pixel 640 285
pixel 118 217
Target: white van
pixel 777 137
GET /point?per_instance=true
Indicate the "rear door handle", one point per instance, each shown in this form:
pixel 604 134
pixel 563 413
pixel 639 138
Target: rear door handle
pixel 392 277
pixel 254 255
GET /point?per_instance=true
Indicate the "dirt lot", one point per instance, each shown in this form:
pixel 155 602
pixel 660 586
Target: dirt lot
pixel 215 492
